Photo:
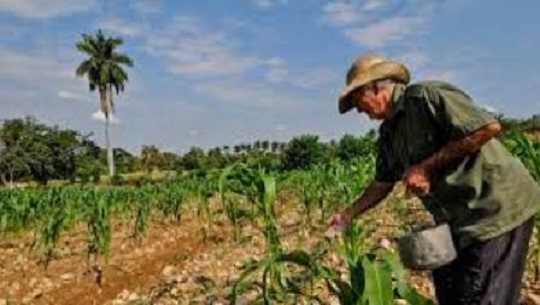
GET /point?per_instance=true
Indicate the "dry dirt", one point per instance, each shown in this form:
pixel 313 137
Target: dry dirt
pixel 173 264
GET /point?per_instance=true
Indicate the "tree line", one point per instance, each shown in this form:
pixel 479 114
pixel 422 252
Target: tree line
pixel 33 151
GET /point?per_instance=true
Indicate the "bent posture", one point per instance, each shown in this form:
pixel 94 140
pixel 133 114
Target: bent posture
pixel 437 141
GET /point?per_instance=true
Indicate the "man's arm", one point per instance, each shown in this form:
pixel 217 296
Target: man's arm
pixel 455 151
pixel 373 194
pixel 418 176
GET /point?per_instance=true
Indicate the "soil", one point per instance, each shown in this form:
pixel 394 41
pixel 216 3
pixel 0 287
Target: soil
pixel 175 263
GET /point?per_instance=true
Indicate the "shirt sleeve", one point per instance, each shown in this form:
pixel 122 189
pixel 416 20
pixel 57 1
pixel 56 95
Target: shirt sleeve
pixel 386 167
pixel 455 111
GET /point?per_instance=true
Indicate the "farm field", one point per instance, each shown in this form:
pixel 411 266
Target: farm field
pixel 238 235
pixel 215 152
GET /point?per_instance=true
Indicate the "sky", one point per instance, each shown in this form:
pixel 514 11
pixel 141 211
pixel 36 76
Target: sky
pixel 210 73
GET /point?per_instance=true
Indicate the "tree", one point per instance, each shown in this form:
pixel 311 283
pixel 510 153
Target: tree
pixel 351 147
pixel 31 150
pixel 151 158
pixel 265 145
pixel 62 148
pixel 274 146
pixel 194 159
pixel 170 160
pixel 89 163
pixel 104 70
pixel 215 158
pixel 303 152
pixel 14 158
pixel 124 161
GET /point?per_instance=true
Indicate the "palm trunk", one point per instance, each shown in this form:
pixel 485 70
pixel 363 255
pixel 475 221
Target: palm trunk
pixel 110 156
pixel 105 93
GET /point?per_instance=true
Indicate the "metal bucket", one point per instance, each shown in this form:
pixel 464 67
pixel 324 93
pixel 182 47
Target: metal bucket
pixel 427 249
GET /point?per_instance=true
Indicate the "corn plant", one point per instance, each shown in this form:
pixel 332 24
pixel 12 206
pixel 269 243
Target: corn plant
pixel 204 190
pixel 99 224
pixel 142 201
pixel 172 201
pixel 266 186
pixel 374 278
pixel 289 283
pixel 529 154
pixel 526 150
pixel 55 223
pixel 236 181
pixel 323 184
pixel 261 190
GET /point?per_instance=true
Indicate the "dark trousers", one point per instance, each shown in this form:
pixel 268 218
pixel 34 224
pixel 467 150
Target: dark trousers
pixel 486 273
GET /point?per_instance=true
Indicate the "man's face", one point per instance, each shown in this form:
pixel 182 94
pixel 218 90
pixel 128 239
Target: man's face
pixel 371 101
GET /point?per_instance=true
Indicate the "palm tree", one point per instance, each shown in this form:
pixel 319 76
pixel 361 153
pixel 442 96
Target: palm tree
pixel 274 146
pixel 105 70
pixel 265 144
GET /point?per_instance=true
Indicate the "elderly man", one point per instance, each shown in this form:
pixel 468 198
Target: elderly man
pixel 439 143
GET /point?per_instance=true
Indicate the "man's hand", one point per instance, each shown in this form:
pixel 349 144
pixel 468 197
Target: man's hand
pixel 417 180
pixel 374 193
pixel 339 222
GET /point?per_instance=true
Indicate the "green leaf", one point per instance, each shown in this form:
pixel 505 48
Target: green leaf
pixel 242 282
pixel 358 279
pixel 412 296
pixel 378 290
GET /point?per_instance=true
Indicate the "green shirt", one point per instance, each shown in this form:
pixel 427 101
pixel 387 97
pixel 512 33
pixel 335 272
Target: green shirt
pixel 488 193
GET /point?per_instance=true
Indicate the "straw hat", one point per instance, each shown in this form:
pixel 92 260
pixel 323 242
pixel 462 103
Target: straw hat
pixel 367 69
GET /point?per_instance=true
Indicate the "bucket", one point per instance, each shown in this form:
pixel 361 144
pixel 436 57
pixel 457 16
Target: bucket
pixel 427 249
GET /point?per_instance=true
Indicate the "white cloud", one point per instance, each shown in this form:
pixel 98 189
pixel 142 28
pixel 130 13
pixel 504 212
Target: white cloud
pixel 146 7
pixel 121 27
pixel 424 68
pixel 69 95
pixel 51 71
pixel 303 78
pixel 46 8
pixel 194 133
pixel 251 95
pixel 267 3
pixel 276 75
pixel 490 108
pixel 412 58
pixel 199 53
pixel 439 74
pixel 277 71
pixel 365 25
pixel 371 5
pixel 194 51
pixel 343 13
pixel 340 13
pixel 235 23
pixel 315 77
pixel 100 117
pixel 384 32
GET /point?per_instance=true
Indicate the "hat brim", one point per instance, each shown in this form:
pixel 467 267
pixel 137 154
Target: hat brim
pixel 387 69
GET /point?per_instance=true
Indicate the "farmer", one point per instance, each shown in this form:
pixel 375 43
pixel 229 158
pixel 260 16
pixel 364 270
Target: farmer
pixel 435 139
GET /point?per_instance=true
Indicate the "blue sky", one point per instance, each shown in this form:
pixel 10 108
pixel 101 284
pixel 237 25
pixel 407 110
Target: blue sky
pixel 222 72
